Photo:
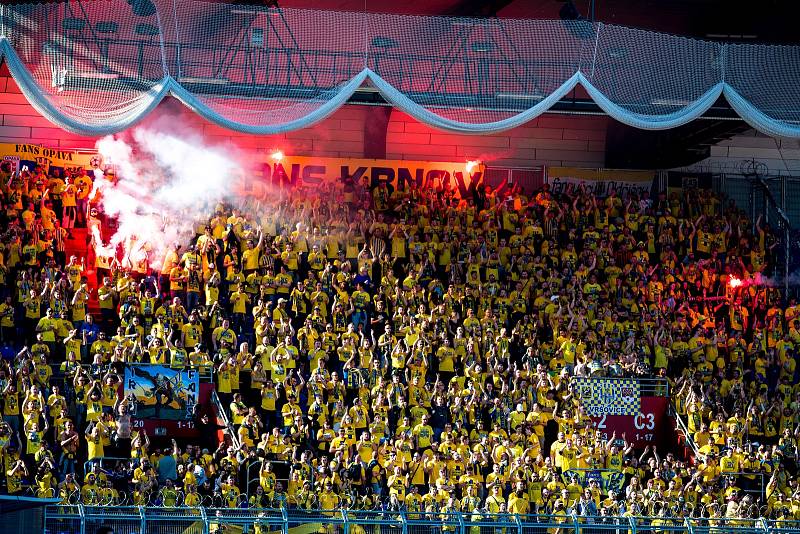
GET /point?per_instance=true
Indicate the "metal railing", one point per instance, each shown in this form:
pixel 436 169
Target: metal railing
pixel 683 429
pixel 223 415
pixel 79 519
pixel 281 469
pixel 760 192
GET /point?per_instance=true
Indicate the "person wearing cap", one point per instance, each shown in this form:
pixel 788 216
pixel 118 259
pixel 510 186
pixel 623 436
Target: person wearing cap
pixel 280 314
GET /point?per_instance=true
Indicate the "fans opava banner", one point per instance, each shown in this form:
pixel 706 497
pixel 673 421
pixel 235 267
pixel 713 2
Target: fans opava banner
pixel 312 172
pixel 160 392
pixel 19 155
pixel 599 182
pixel 608 396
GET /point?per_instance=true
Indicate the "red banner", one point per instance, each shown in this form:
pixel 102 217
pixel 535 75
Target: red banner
pixel 641 429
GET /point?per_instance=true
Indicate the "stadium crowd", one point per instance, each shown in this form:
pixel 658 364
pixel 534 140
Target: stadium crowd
pixel 406 350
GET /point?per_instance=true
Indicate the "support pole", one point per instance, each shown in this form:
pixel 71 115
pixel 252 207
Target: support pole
pixel 786 241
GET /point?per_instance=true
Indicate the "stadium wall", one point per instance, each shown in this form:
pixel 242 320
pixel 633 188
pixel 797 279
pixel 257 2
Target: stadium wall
pixel 781 156
pixel 548 140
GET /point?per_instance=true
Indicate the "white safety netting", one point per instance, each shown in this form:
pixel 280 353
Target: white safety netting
pixel 474 75
pixel 762 84
pixel 99 66
pixel 115 54
pixel 267 70
pixel 650 80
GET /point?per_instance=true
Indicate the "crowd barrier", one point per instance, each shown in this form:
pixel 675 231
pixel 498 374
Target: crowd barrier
pixel 79 519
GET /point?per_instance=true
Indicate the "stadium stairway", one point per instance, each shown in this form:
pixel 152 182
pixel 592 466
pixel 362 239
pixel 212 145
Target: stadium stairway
pixel 77 245
pixel 683 441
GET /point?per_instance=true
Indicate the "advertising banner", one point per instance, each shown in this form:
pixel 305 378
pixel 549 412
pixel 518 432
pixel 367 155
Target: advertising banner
pixel 599 182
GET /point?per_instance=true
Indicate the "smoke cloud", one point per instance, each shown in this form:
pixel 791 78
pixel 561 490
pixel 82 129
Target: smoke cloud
pixel 759 279
pixel 166 184
pixel 777 281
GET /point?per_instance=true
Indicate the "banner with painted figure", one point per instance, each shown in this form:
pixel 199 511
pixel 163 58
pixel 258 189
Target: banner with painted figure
pixel 608 396
pixel 19 155
pixel 607 479
pixel 160 392
pixel 311 172
pixel 599 182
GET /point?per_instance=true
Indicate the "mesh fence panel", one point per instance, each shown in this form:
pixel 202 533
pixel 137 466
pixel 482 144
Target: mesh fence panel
pixel 629 68
pixel 258 66
pixel 96 67
pixel 123 519
pixel 94 63
pixel 473 71
pixel 793 201
pixel 762 86
pixel 738 188
pixel 771 214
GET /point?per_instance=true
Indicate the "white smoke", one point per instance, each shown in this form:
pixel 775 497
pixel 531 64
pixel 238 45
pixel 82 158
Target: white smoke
pixel 166 185
pixel 777 281
pixel 759 279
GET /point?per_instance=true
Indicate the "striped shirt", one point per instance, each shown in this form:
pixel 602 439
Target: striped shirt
pixel 58 239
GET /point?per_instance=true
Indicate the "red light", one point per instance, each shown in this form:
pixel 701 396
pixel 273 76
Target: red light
pixel 471 164
pixel 277 155
pixel 734 282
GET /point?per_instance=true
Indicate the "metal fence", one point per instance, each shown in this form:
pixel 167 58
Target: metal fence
pixel 280 468
pixel 78 519
pixel 530 179
pixel 776 199
pixel 751 192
